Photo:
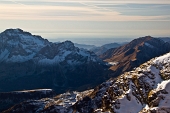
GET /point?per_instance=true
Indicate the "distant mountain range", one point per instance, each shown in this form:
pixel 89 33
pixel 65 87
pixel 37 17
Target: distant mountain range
pixel 100 50
pixel 30 62
pixel 145 89
pixel 84 46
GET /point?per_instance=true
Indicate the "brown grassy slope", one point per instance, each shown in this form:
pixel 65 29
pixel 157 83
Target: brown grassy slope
pixel 135 53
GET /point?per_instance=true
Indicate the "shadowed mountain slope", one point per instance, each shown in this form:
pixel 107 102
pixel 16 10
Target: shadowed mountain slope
pixel 31 62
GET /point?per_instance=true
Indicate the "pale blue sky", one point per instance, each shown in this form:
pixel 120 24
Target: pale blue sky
pixel 54 19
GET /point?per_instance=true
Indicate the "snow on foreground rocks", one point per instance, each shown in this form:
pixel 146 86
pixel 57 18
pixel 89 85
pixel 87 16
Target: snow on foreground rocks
pixel 146 89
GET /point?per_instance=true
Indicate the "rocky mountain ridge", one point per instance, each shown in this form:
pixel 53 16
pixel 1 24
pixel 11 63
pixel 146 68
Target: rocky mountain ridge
pixel 25 57
pixel 146 89
pixel 138 51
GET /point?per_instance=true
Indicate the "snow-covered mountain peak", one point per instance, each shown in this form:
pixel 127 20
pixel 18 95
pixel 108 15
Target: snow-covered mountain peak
pixel 18 36
pixel 17 45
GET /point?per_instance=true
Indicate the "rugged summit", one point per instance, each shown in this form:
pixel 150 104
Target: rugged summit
pixel 146 89
pixel 31 62
pixel 20 46
pixel 136 52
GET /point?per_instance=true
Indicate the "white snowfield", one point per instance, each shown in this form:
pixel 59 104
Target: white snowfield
pixel 149 45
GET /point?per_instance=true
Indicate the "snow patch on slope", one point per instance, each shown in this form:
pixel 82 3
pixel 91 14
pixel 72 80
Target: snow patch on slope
pixel 113 63
pixel 19 58
pixel 126 106
pixel 165 102
pixel 162 59
pixel 149 45
pixel 56 59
